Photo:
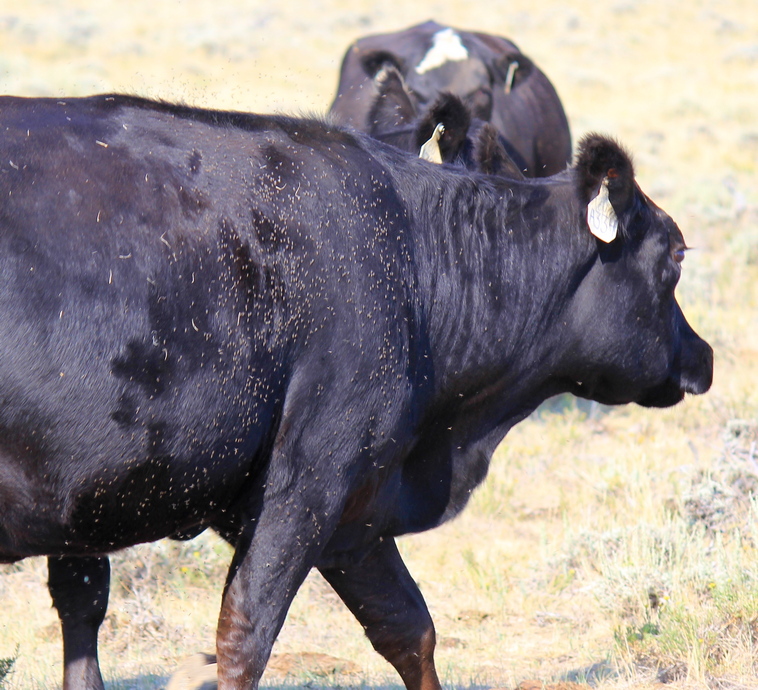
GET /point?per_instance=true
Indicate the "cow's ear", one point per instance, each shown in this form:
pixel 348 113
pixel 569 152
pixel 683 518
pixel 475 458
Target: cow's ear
pixel 393 106
pixel 373 61
pixel 449 111
pixel 490 154
pixel 511 69
pixel 606 184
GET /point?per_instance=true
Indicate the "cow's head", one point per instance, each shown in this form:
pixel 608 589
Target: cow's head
pixel 629 339
pixel 463 140
pixel 448 64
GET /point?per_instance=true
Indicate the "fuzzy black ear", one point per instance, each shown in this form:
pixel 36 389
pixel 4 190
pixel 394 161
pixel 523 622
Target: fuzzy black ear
pixel 450 111
pixel 374 60
pixel 491 156
pixel 393 107
pixel 601 158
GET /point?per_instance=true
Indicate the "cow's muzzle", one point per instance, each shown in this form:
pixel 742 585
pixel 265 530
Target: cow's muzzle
pixel 693 373
pixel 697 367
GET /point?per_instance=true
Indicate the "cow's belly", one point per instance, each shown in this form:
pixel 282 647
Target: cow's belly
pixel 117 491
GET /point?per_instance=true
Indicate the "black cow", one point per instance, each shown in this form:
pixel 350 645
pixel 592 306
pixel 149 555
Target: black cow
pixel 493 77
pixel 461 140
pixel 300 337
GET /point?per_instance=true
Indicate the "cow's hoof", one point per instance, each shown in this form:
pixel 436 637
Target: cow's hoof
pixel 198 672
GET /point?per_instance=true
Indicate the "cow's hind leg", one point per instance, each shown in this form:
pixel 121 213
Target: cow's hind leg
pixel 79 588
pixel 382 595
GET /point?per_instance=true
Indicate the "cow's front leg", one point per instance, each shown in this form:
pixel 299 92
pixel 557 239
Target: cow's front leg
pixel 79 588
pixel 382 595
pixel 273 555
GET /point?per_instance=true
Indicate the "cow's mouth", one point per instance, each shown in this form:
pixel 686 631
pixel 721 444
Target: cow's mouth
pixel 666 395
pixel 695 376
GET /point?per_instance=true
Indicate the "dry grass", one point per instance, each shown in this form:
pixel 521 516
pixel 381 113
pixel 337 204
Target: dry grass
pixel 617 546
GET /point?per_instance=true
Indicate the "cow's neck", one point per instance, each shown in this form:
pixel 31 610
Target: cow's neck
pixel 498 266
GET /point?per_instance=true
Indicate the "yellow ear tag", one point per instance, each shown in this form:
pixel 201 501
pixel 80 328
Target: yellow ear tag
pixel 601 217
pixel 430 151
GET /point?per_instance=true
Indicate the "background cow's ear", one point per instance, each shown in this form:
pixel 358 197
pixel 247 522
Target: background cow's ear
pixel 491 156
pixel 374 60
pixel 511 69
pixel 450 111
pixel 393 107
pixel 602 161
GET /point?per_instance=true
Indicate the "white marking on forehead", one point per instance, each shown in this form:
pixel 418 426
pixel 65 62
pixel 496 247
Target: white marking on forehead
pixel 446 47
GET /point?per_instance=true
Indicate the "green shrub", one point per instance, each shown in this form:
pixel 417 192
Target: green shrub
pixel 6 668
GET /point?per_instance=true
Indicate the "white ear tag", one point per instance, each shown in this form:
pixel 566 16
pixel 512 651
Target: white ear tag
pixel 601 217
pixel 510 76
pixel 430 151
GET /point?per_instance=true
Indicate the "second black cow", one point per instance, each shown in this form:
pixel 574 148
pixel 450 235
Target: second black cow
pixel 495 80
pixel 300 337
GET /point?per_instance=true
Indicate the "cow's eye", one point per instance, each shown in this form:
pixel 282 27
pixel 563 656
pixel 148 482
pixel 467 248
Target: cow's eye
pixel 678 254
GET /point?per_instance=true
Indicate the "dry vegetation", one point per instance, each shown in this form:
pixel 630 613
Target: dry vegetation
pixel 618 547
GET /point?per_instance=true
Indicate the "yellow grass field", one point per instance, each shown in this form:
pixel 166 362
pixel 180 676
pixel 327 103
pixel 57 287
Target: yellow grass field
pixel 615 547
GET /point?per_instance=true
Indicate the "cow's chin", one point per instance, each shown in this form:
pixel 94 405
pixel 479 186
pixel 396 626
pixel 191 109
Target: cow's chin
pixel 598 391
pixel 663 395
pixel 670 393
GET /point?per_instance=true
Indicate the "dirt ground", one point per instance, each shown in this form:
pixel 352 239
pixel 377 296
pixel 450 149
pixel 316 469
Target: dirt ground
pixel 675 81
